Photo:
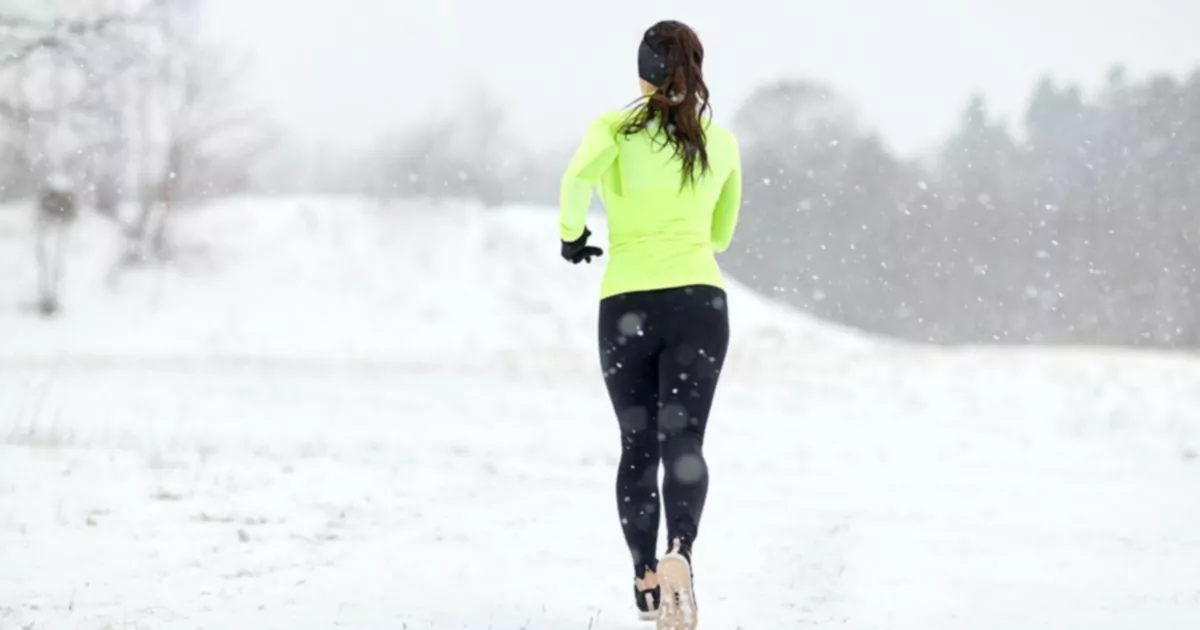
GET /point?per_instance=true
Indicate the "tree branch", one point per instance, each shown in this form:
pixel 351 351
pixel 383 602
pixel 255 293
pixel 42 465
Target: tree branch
pixel 59 34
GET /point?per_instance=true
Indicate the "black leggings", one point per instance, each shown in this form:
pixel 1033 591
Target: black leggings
pixel 662 353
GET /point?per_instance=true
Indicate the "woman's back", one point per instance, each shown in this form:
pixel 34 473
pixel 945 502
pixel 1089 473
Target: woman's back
pixel 663 231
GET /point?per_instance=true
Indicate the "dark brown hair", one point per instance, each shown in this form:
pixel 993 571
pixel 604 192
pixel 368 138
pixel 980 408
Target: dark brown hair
pixel 681 103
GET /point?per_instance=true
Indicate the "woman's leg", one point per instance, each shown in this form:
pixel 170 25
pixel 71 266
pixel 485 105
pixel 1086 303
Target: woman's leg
pixel 689 368
pixel 629 357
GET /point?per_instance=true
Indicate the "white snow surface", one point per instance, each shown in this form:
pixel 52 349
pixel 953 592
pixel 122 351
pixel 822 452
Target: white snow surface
pixel 338 413
pixel 346 279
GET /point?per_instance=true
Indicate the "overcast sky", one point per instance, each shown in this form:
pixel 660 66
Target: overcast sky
pixel 345 69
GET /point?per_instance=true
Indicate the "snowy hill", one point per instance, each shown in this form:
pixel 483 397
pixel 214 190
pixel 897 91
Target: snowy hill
pixel 348 279
pixel 328 413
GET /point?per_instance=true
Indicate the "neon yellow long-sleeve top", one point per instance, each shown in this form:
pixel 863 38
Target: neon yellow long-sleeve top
pixel 660 235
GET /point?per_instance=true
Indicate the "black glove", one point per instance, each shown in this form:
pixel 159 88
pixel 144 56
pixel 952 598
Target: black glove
pixel 578 250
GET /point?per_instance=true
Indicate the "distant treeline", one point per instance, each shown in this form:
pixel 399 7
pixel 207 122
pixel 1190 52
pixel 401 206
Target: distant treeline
pixel 1076 227
pixel 1084 230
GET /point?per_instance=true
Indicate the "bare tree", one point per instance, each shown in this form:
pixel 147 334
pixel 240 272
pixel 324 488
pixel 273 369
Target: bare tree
pixel 124 101
pixel 57 209
pixel 199 135
pixel 46 67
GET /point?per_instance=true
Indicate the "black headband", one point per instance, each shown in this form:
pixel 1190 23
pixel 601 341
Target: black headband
pixel 652 63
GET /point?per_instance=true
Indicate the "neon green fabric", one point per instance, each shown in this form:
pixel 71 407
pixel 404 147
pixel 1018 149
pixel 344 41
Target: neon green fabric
pixel 659 235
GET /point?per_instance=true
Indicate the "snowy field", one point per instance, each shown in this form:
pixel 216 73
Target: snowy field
pixel 330 413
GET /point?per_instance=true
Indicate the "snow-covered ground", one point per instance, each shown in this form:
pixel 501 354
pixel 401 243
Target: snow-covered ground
pixel 329 413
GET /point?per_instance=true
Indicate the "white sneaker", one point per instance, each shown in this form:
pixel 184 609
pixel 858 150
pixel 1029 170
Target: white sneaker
pixel 677 610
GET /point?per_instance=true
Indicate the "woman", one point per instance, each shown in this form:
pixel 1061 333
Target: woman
pixel 670 179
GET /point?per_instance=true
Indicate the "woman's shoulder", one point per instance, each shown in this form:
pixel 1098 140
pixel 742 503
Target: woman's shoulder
pixel 606 123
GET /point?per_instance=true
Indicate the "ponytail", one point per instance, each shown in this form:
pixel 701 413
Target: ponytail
pixel 671 58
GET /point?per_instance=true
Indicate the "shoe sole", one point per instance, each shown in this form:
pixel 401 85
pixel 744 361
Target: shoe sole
pixel 677 610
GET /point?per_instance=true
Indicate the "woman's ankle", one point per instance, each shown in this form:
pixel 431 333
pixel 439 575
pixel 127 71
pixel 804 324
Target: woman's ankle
pixel 647 582
pixel 681 546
